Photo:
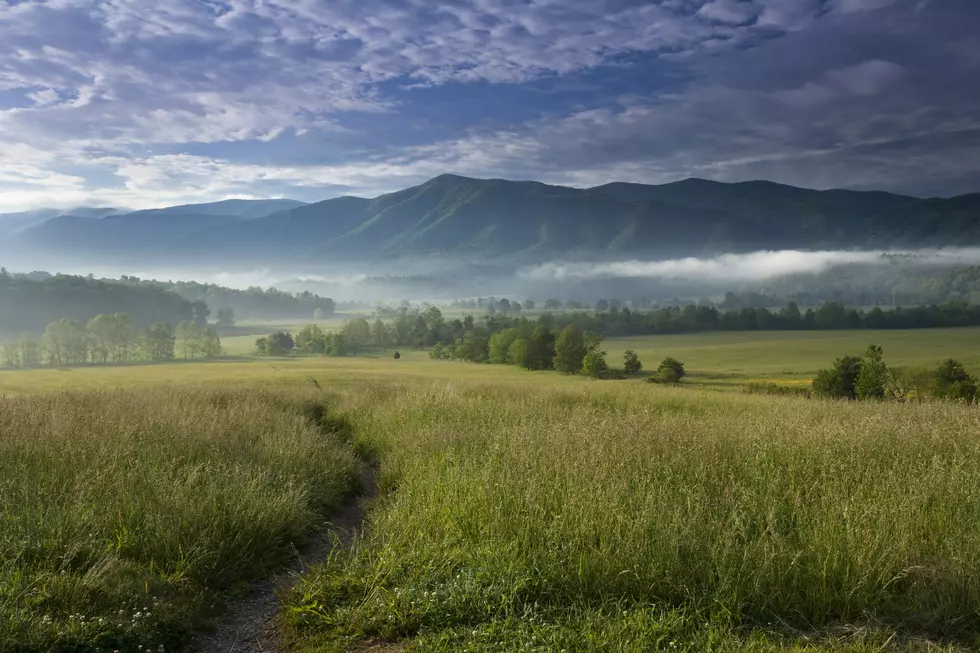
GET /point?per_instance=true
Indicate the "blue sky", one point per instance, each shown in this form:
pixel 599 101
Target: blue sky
pixel 143 103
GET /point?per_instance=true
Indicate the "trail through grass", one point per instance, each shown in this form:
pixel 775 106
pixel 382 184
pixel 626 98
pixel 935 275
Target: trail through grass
pixel 628 517
pixel 127 515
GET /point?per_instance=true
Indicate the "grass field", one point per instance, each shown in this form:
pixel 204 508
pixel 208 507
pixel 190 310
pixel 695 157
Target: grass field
pixel 740 357
pixel 519 511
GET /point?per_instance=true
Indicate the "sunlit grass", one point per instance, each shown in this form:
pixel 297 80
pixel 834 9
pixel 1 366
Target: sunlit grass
pixel 125 515
pixel 626 516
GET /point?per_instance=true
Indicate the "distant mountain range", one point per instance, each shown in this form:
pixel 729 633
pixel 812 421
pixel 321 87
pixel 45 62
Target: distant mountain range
pixel 467 219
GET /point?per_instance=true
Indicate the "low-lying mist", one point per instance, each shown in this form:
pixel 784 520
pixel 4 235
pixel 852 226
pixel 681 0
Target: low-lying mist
pixel 753 266
pixel 441 280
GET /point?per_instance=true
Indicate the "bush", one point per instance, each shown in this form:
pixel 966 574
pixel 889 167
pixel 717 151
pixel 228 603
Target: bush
pixel 953 383
pixel 438 353
pixel 397 355
pixel 631 362
pixel 839 381
pixel 871 380
pixel 594 364
pixel 670 371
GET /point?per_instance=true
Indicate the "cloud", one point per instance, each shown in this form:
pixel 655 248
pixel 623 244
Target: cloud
pixel 130 101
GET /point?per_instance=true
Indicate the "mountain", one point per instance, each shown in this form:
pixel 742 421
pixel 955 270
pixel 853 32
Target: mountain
pixel 467 219
pixel 105 232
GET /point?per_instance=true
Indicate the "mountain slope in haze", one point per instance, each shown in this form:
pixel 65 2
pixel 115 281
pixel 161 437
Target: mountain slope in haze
pixel 468 218
pixel 148 231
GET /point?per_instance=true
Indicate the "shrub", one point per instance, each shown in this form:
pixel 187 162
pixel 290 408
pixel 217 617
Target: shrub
pixel 594 364
pixel 870 383
pixel 397 355
pixel 631 362
pixel 670 371
pixel 839 381
pixel 438 353
pixel 953 383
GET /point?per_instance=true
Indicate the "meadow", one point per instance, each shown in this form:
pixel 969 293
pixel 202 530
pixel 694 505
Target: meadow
pixel 519 511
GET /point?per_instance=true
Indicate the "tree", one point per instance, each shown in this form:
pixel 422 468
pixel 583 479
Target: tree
pixel 261 345
pixel 631 362
pixel 519 354
pixel 358 333
pixel 871 380
pixel 541 348
pixel 528 305
pixel 226 317
pixel 158 342
pixel 909 383
pixel 552 305
pixel 337 345
pixel 602 306
pixel 123 334
pixel 379 334
pixel 319 314
pixel 279 344
pixel 200 313
pixel 499 347
pixel 840 380
pixel 100 329
pixel 569 350
pixel 210 344
pixel 594 364
pixel 310 340
pixel 670 371
pixel 953 383
pixel 397 355
pixel 189 334
pixel 66 342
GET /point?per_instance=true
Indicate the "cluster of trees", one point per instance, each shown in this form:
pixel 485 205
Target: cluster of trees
pixel 355 336
pixel 868 378
pixel 252 302
pixel 110 338
pixel 29 302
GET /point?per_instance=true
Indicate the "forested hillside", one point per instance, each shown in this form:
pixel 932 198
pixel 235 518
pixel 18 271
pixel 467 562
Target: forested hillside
pixel 522 221
pixel 28 303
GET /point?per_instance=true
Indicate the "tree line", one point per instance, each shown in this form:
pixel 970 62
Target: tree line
pixel 250 303
pixel 110 338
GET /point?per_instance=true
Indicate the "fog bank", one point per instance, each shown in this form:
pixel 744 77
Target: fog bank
pixel 742 268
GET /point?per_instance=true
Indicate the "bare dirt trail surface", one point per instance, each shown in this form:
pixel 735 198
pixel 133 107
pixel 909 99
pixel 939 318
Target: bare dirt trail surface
pixel 252 624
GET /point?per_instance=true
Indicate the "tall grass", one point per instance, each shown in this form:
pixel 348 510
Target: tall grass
pixel 626 517
pixel 126 515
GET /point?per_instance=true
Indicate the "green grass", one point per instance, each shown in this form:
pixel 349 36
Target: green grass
pixel 616 516
pixel 126 516
pixel 740 357
pixel 520 511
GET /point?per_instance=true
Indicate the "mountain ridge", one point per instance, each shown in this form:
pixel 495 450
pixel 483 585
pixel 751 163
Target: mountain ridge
pixel 462 217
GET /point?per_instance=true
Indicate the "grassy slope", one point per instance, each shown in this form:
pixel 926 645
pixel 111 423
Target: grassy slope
pixel 126 515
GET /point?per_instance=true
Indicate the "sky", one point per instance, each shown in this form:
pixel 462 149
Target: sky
pixel 141 103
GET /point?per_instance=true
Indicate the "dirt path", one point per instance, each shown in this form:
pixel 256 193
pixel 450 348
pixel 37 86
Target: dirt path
pixel 252 624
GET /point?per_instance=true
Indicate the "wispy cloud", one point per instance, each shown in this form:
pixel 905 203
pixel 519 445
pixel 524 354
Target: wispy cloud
pixel 132 100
